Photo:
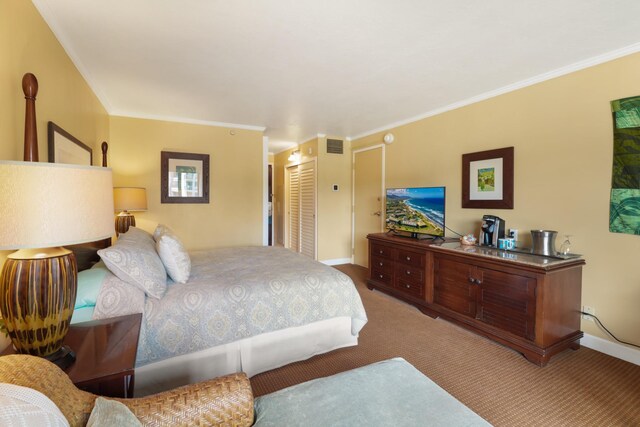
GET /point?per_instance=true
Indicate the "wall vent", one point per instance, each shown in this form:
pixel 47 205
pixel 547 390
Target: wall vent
pixel 334 146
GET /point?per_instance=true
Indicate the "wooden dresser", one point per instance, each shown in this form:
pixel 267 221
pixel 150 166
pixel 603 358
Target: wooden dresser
pixel 528 302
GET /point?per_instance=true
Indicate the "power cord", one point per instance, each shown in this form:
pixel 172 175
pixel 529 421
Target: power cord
pixel 608 331
pixel 454 232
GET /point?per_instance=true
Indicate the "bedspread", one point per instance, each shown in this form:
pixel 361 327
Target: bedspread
pixel 236 293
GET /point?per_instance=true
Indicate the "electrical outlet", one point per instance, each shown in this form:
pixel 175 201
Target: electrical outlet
pixel 589 310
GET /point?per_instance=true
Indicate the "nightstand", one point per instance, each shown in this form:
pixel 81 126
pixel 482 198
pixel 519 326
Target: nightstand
pixel 105 355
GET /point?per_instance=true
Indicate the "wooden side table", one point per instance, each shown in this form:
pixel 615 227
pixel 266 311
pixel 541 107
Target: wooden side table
pixel 105 355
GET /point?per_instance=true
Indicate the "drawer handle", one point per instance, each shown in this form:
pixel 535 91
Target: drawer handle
pixel 381 251
pixel 408 258
pixel 472 280
pixel 408 273
pixel 475 281
pixel 381 276
pixel 408 286
pixel 380 264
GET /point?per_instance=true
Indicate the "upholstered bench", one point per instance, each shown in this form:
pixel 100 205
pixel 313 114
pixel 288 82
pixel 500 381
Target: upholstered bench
pixel 388 393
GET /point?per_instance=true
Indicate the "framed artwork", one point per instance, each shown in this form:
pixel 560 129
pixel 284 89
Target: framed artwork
pixel 487 179
pixel 66 148
pixel 184 177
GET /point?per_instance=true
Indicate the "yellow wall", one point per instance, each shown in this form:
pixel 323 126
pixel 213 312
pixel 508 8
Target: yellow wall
pixel 28 45
pixel 334 207
pixel 562 133
pixel 233 216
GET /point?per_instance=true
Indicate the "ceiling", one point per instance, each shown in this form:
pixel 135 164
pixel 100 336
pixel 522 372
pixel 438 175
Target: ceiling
pixel 299 68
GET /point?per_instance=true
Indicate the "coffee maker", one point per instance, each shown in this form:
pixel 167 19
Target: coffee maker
pixel 491 230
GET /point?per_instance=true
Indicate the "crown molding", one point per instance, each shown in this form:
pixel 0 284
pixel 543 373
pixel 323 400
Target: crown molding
pixel 572 68
pixel 186 120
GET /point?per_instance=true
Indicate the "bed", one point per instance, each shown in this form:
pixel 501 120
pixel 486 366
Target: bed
pixel 237 309
pixel 248 309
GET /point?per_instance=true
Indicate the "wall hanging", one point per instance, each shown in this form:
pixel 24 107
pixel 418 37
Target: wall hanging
pixel 624 207
pixel 487 179
pixel 66 148
pixel 185 177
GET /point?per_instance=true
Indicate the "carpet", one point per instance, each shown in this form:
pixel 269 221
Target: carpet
pixel 576 388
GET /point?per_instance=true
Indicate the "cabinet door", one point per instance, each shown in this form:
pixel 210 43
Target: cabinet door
pixel 453 288
pixel 507 301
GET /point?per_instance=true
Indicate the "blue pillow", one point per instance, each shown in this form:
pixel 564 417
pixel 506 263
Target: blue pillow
pixel 83 314
pixel 89 284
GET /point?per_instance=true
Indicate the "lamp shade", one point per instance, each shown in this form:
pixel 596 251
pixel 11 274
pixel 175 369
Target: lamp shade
pixel 129 199
pixel 43 205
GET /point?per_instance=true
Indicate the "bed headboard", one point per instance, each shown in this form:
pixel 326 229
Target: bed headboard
pixel 86 253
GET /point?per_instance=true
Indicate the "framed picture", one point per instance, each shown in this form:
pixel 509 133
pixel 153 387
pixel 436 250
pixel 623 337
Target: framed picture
pixel 185 177
pixel 487 179
pixel 66 148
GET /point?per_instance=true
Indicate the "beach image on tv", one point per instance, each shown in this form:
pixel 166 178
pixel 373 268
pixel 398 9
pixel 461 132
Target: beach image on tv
pixel 416 210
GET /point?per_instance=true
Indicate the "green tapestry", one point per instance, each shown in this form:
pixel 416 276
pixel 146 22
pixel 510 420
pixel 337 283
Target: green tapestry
pixel 624 211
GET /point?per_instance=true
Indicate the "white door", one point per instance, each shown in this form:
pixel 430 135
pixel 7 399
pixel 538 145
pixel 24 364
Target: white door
pixel 308 209
pixel 293 208
pixel 368 199
pixel 301 208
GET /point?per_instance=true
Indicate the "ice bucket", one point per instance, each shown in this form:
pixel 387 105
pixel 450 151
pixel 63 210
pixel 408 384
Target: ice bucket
pixel 544 242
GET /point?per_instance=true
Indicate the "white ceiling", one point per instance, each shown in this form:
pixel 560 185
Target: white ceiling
pixel 298 68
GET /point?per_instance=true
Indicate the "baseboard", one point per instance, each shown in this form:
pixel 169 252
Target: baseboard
pixel 336 261
pixel 611 348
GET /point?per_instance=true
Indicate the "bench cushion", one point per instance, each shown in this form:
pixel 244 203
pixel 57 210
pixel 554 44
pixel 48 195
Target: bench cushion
pixel 388 393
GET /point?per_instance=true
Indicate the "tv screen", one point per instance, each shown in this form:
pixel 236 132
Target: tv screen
pixel 417 210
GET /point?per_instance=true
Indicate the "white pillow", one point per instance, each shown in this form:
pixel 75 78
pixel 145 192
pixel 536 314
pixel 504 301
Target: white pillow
pixel 134 260
pixel 108 412
pixel 161 229
pixel 135 234
pixel 23 406
pixel 175 258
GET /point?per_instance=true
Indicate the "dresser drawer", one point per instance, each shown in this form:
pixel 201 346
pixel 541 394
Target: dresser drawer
pixel 409 274
pixel 410 287
pixel 383 264
pixel 382 276
pixel 381 251
pixel 415 259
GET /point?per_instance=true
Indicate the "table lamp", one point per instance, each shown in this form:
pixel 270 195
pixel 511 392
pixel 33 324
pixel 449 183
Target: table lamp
pixel 127 199
pixel 44 206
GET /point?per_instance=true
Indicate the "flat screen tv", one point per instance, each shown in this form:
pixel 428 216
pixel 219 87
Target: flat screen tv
pixel 416 211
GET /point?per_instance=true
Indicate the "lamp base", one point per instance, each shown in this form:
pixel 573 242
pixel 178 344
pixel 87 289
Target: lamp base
pixel 37 295
pixel 63 358
pixel 124 220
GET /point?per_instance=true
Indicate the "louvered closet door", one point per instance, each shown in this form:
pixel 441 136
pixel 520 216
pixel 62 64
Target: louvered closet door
pixel 308 209
pixel 294 208
pixel 301 196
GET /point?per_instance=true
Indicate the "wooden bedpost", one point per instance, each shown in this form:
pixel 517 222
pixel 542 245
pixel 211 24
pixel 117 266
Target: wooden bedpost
pixel 30 89
pixel 104 147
